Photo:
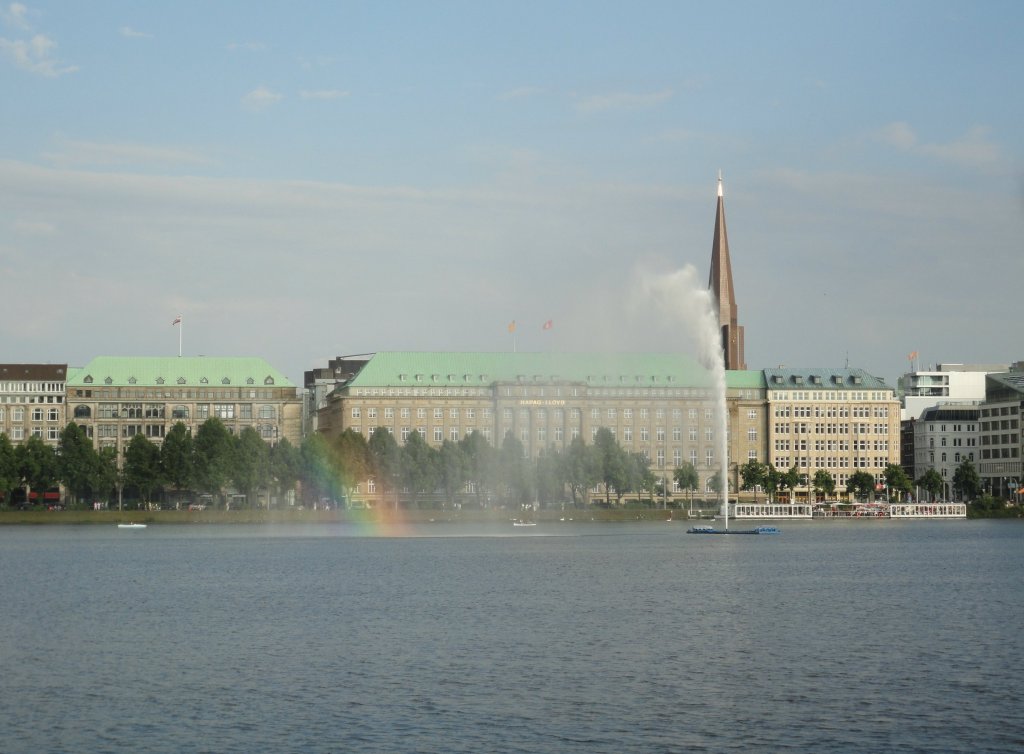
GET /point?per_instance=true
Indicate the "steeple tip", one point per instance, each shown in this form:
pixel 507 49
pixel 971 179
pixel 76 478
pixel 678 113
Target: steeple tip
pixel 720 183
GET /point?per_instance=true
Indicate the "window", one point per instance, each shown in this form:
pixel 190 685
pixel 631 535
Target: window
pixel 203 411
pixel 51 415
pixel 357 412
pixel 37 414
pixel 438 433
pixel 245 411
pixel 224 410
pixel 268 412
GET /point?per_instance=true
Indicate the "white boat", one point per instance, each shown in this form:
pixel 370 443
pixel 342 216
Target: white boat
pixel 131 526
pixel 524 523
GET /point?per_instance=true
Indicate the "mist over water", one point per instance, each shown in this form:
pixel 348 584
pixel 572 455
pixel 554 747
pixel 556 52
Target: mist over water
pixel 683 297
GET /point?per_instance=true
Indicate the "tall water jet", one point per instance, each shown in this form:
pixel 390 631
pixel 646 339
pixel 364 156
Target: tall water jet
pixel 680 295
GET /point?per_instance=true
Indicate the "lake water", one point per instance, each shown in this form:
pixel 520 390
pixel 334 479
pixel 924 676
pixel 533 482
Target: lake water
pixel 833 637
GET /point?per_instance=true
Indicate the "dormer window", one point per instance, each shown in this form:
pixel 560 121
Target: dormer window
pixel 250 381
pixel 268 380
pixel 159 380
pixel 181 380
pixel 225 381
pixel 203 381
pixel 88 379
pixel 108 381
pixel 132 380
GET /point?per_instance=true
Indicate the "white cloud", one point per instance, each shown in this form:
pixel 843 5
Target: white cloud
pixel 127 31
pixel 622 101
pixel 76 153
pixel 323 94
pixel 261 97
pixel 35 55
pixel 16 15
pixel 973 150
pixel 520 92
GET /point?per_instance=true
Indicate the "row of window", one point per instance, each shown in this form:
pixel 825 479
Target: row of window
pixel 831 412
pixel 159 411
pixel 835 446
pixel 37 414
pixel 830 428
pixel 540 414
pixel 831 462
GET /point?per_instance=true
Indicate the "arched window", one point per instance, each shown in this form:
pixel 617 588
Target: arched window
pixel 83 412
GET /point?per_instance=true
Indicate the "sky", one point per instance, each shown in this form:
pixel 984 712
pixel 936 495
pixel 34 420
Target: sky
pixel 305 180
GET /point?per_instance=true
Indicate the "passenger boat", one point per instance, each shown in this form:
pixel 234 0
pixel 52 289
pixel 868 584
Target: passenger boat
pixel 131 526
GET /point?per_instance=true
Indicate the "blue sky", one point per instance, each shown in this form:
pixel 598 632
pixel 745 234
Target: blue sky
pixel 304 180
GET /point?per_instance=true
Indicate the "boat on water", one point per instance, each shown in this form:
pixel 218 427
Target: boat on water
pixel 524 523
pixel 713 530
pixel 131 526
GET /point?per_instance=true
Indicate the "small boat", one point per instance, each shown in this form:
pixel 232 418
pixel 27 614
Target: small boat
pixel 131 526
pixel 524 523
pixel 712 530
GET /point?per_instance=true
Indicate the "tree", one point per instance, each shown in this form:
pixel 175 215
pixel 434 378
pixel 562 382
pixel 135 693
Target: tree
pixel 352 454
pixel 581 469
pixel 385 460
pixel 176 459
pixel 753 474
pixel 418 466
pixel 105 474
pixel 824 483
pixel 548 475
pixel 250 468
pixel 614 472
pixel 480 463
pixel 452 469
pixel 36 465
pixel 214 451
pixel 76 461
pixel 860 484
pixel 285 466
pixel 9 476
pixel 513 473
pixel 715 482
pixel 142 466
pixel 318 478
pixel 966 482
pixel 896 479
pixel 791 480
pixel 931 482
pixel 688 480
pixel 642 479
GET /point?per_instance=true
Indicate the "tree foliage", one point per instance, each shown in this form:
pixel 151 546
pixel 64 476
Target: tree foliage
pixel 966 482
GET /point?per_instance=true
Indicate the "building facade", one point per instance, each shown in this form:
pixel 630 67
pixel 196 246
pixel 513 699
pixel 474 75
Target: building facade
pixel 1000 441
pixel 944 437
pixel 660 405
pixel 838 420
pixel 116 398
pixel 32 401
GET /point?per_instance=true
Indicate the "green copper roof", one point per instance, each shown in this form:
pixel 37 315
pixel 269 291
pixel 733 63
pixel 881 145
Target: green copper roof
pixel 822 378
pixel 192 371
pixel 447 369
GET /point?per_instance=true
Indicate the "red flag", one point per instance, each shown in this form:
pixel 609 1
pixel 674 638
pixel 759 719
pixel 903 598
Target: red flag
pixel 512 326
pixel 548 325
pixel 177 321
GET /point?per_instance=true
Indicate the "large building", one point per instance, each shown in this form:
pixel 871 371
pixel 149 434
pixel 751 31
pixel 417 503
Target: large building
pixel 838 420
pixel 720 283
pixel 32 401
pixel 116 398
pixel 660 405
pixel 945 383
pixel 1000 441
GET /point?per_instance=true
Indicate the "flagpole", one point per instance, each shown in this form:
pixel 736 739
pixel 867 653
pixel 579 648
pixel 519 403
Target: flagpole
pixel 181 326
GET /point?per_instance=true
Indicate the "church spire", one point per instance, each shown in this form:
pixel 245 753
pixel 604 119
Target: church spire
pixel 720 283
